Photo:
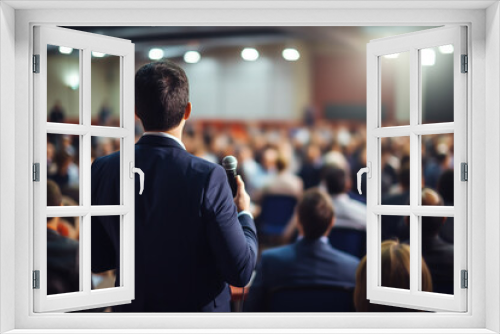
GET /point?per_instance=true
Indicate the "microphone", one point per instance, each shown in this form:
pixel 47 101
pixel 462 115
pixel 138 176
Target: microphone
pixel 230 163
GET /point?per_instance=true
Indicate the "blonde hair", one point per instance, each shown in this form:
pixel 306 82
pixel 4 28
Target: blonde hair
pixel 395 259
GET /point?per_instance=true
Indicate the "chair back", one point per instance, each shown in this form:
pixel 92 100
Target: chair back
pixel 322 298
pixel 349 240
pixel 276 212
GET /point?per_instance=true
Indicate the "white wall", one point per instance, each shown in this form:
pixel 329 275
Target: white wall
pixel 7 166
pixel 105 84
pixel 224 86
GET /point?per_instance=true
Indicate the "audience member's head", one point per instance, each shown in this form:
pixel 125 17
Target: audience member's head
pixel 431 225
pixel 54 198
pixel 269 159
pixel 315 214
pixel 446 186
pixel 161 96
pixel 63 159
pixel 395 261
pixel 282 162
pixel 335 179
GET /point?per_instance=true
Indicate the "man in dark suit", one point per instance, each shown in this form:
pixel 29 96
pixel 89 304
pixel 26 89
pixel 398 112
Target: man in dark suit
pixel 308 262
pixel 191 237
pixel 62 252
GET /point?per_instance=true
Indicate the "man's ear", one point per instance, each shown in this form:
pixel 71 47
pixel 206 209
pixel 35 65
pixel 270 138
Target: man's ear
pixel 187 111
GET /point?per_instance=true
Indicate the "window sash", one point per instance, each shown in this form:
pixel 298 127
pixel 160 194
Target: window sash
pixel 86 298
pixel 413 298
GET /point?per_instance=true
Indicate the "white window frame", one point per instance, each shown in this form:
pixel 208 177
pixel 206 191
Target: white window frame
pixel 84 44
pixel 482 316
pixel 412 43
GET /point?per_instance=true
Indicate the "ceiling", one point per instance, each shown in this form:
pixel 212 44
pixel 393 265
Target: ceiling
pixel 177 40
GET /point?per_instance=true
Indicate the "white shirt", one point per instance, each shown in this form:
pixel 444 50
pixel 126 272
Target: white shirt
pixel 163 134
pixel 349 213
pixel 167 135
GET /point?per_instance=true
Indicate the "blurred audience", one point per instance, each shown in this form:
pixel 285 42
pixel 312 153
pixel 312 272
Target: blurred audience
pixel 395 260
pixel 437 253
pixel 284 182
pixel 62 252
pixel 309 261
pixel 349 212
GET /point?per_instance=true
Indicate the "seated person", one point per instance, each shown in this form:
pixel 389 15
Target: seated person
pixel 285 182
pixel 395 273
pixel 309 261
pixel 62 252
pixel 437 253
pixel 348 212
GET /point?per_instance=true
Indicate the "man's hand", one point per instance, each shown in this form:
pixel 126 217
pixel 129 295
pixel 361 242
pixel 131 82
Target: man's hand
pixel 242 199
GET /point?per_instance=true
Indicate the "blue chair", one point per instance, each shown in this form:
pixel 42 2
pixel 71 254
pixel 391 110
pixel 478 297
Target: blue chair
pixel 323 298
pixel 276 212
pixel 349 240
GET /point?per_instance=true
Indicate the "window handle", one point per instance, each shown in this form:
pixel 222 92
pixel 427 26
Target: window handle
pixel 368 171
pixel 141 176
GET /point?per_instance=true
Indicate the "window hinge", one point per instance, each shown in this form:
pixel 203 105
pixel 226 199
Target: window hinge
pixel 36 172
pixel 465 279
pixel 36 63
pixel 36 279
pixel 465 64
pixel 464 171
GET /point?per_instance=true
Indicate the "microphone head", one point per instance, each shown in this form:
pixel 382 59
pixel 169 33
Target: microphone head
pixel 229 163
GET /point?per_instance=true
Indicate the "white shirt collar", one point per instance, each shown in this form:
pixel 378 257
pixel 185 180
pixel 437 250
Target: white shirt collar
pixel 323 239
pixel 163 134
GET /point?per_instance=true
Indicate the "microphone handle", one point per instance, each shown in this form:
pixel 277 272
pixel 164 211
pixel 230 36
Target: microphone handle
pixel 231 178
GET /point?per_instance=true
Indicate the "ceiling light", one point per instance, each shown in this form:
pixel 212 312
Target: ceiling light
pixel 65 50
pixel 290 54
pixel 98 54
pixel 392 56
pixel 73 80
pixel 427 57
pixel 155 54
pixel 249 54
pixel 192 57
pixel 446 48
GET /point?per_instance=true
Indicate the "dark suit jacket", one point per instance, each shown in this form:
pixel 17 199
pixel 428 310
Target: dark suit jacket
pixel 189 242
pixel 62 264
pixel 304 263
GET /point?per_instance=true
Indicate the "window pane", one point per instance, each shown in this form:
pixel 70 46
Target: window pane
pixel 395 170
pixel 63 236
pixel 437 166
pixel 63 166
pixel 105 108
pixel 63 84
pixel 395 252
pixel 437 84
pixel 105 251
pixel 437 254
pixel 109 188
pixel 395 89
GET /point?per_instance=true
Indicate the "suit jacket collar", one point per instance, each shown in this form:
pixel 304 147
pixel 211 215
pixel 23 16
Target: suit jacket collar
pixel 159 141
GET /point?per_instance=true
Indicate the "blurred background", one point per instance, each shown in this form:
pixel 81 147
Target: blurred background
pixel 286 101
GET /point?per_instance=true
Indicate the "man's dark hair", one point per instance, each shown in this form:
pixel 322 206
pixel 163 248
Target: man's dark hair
pixel 161 95
pixel 315 213
pixel 335 179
